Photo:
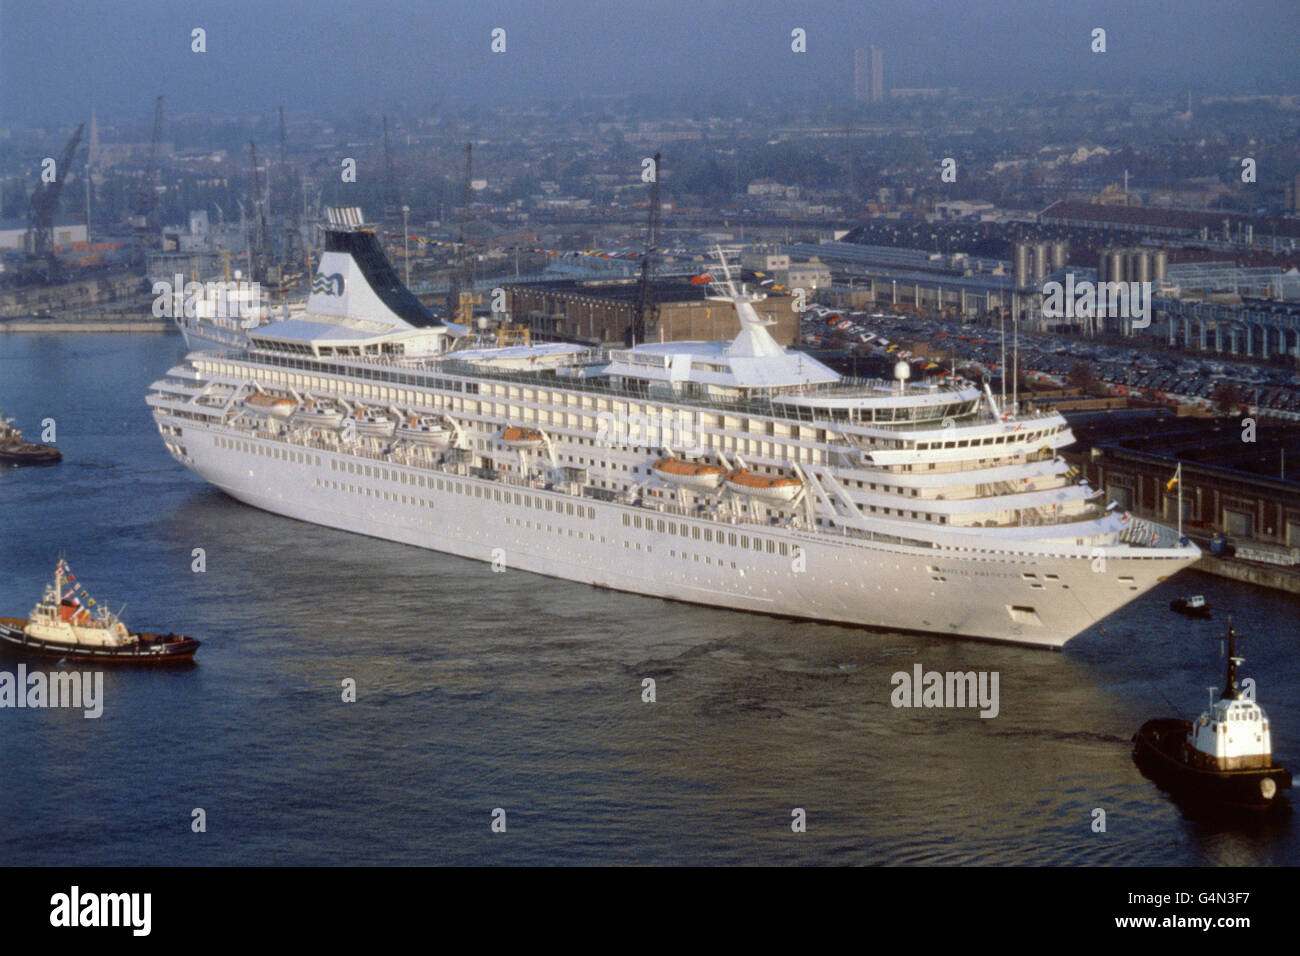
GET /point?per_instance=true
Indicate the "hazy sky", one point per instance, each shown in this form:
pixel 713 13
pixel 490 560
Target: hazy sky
pixel 329 56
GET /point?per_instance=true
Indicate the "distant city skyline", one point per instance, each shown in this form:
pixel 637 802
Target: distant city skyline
pixel 59 58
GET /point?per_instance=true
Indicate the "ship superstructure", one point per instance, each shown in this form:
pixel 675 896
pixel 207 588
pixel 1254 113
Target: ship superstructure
pixel 738 474
pixel 220 313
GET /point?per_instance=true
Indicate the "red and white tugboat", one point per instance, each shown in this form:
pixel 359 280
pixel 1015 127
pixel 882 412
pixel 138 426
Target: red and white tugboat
pixel 63 628
pixel 1225 758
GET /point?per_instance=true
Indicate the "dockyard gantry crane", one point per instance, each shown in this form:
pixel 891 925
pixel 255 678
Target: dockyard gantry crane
pixel 637 331
pixel 38 241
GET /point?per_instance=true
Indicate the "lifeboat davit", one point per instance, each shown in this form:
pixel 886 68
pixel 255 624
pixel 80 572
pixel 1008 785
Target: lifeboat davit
pixel 775 488
pixel 522 438
pixel 689 474
pixel 426 431
pixel 371 422
pixel 263 404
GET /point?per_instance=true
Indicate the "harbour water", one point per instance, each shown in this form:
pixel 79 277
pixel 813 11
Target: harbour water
pixel 479 690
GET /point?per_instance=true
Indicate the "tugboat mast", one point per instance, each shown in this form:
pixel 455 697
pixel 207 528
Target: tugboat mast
pixel 1230 691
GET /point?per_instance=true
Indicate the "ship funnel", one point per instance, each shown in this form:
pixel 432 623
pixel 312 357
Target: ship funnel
pixel 355 280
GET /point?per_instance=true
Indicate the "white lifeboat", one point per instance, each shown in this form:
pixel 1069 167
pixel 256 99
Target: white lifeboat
pixel 424 430
pixel 370 421
pixel 522 438
pixel 689 474
pixel 319 415
pixel 268 405
pixel 775 488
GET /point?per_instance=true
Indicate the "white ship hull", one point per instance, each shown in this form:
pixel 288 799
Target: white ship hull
pixel 843 580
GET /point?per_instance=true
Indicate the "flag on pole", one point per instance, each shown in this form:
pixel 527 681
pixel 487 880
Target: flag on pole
pixel 1176 480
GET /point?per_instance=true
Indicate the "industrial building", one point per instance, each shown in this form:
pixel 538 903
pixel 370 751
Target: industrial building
pixel 1278 235
pixel 888 276
pixel 1240 488
pixel 1203 306
pixel 66 232
pixel 1252 328
pixel 601 311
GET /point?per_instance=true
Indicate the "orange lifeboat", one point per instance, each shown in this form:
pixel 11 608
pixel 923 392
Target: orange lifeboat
pixel 522 438
pixel 774 488
pixel 689 474
pixel 264 404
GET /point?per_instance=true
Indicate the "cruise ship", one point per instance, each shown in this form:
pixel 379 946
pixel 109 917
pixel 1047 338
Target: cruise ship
pixel 735 474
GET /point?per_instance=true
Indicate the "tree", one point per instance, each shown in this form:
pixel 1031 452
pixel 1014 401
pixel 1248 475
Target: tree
pixel 1081 376
pixel 1227 397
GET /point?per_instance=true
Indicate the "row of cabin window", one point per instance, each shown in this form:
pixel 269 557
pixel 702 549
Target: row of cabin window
pixel 370 493
pixel 456 487
pixel 282 454
pixel 991 440
pixel 694 531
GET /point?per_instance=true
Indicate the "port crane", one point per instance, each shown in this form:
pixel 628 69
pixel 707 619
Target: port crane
pixel 637 330
pixel 38 242
pixel 294 251
pixel 460 291
pixel 145 218
pixel 259 247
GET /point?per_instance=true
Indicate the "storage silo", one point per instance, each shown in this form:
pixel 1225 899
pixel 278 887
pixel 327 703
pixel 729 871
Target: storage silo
pixel 1161 266
pixel 1059 256
pixel 1140 266
pixel 1022 265
pixel 1040 260
pixel 1115 265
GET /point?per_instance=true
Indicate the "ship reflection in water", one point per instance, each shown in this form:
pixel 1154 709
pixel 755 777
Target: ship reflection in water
pixel 478 690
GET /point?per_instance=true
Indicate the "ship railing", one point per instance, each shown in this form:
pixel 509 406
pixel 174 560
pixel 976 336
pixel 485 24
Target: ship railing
pixel 1141 533
pixel 979 418
pixel 388 369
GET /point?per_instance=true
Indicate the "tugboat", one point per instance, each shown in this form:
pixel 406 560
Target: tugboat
pixel 15 451
pixel 1224 759
pixel 1194 606
pixel 63 628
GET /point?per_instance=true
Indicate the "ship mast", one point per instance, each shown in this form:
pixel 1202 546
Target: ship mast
pixel 1230 691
